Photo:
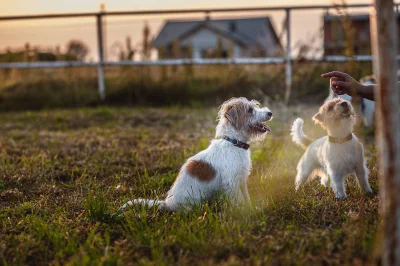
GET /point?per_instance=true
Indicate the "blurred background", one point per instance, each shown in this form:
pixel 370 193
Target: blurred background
pixel 141 55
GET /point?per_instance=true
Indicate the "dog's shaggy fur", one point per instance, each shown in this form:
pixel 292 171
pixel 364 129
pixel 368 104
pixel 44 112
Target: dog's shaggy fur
pixel 333 158
pixel 222 167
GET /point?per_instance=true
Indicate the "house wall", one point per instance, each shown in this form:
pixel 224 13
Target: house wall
pixel 206 39
pixel 335 39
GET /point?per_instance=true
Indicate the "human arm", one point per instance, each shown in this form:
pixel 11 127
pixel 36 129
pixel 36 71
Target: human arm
pixel 342 83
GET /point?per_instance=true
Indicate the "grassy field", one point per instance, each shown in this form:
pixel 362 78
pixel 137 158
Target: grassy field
pixel 65 173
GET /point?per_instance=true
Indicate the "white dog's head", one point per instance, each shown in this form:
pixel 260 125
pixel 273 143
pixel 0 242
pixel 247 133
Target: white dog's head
pixel 243 119
pixel 336 116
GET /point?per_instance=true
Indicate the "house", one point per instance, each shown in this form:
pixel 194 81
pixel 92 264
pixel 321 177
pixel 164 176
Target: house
pixel 349 33
pixel 235 37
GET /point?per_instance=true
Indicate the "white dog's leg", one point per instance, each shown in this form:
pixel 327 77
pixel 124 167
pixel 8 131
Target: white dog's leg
pixel 245 190
pixel 337 183
pixel 304 169
pixel 235 195
pixel 362 175
pixel 239 198
pixel 362 170
pixel 324 179
pixel 233 191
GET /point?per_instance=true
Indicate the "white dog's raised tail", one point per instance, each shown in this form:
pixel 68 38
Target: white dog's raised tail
pixel 298 135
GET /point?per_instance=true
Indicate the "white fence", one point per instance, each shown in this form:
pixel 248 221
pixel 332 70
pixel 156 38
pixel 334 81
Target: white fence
pixel 287 59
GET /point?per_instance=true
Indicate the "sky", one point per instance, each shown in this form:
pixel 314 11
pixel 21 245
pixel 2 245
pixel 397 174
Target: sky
pixel 13 7
pixel 57 32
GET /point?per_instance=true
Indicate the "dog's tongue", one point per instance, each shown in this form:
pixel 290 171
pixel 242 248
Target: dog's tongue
pixel 263 128
pixel 266 128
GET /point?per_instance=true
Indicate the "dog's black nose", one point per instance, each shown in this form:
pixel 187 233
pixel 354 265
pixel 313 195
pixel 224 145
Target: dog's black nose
pixel 269 114
pixel 344 104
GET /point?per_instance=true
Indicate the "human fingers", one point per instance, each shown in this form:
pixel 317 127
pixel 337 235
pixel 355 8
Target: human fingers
pixel 335 74
pixel 341 86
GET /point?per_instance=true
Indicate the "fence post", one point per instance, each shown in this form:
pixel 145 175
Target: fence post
pixel 100 65
pixel 288 64
pixel 384 44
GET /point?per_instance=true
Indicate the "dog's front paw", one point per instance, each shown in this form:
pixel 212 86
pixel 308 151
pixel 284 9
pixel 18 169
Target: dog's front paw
pixel 340 197
pixel 369 193
pixel 297 186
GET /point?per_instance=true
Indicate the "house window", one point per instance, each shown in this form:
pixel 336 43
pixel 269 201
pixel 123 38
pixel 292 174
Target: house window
pixel 232 26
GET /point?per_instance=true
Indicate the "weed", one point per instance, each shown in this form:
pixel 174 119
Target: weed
pixel 96 205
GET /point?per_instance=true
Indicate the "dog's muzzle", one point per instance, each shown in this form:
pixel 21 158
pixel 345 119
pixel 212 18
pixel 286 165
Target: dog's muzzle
pixel 260 126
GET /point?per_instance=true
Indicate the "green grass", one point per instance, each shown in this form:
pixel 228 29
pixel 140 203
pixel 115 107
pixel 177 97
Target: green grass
pixel 64 175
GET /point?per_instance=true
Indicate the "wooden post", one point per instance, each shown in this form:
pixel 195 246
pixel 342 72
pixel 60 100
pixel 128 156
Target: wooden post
pixel 384 44
pixel 288 64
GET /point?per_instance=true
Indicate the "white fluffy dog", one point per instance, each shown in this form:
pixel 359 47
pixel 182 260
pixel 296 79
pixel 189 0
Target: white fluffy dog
pixel 225 165
pixel 334 156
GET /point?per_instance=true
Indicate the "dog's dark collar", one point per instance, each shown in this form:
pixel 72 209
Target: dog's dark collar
pixel 339 140
pixel 237 143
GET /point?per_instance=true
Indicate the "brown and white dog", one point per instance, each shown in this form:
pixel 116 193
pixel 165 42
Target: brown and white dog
pixel 335 156
pixel 225 165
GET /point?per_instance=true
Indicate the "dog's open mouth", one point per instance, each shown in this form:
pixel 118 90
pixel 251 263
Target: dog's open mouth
pixel 346 113
pixel 260 127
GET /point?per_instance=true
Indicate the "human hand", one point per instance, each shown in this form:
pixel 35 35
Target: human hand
pixel 342 83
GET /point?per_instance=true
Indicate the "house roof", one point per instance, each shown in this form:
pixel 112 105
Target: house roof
pixel 246 29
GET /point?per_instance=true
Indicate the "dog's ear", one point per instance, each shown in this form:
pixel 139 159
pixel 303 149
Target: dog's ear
pixel 235 114
pixel 318 118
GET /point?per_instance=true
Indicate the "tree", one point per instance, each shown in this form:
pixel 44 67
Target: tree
pixel 384 44
pixel 124 53
pixel 147 45
pixel 78 49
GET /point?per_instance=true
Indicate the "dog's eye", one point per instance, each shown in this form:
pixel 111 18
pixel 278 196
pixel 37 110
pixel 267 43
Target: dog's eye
pixel 250 110
pixel 330 108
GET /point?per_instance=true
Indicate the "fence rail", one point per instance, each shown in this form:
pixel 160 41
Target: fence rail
pixel 287 59
pixel 178 62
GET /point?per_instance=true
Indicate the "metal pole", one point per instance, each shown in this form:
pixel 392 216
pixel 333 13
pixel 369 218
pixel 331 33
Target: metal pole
pixel 100 66
pixel 288 65
pixel 384 44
